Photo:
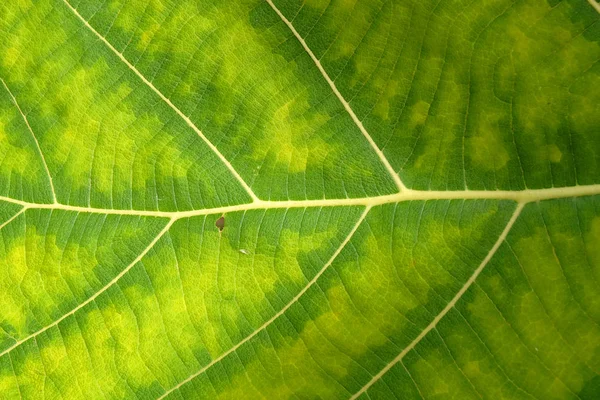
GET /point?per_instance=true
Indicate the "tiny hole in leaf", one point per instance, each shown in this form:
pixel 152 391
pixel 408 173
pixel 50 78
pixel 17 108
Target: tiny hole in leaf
pixel 220 224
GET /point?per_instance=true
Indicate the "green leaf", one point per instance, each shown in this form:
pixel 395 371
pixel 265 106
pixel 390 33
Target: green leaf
pixel 299 199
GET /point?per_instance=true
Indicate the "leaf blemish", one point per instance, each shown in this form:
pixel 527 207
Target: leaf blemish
pixel 220 223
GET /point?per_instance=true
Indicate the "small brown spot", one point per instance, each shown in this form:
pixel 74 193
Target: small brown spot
pixel 220 224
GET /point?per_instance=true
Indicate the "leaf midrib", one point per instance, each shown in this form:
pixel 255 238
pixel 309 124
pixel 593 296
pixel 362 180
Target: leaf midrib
pixel 520 196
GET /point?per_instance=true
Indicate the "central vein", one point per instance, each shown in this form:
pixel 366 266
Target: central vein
pixel 523 196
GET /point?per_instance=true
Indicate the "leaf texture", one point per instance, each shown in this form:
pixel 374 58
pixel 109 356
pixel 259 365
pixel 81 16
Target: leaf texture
pixel 285 199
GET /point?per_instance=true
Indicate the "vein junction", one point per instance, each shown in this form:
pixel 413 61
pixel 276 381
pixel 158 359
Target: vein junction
pixel 342 100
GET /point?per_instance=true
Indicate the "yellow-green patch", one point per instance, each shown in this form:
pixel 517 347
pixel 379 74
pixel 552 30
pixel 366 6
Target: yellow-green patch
pixel 51 261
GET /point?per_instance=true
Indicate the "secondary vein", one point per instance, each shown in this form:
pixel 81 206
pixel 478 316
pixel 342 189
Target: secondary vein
pixel 37 143
pixel 95 295
pixel 187 120
pixel 280 312
pixel 8 221
pixel 595 4
pixel 449 306
pixel 358 122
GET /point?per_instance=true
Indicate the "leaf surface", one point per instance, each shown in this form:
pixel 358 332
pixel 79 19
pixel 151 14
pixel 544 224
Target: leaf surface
pixel 299 199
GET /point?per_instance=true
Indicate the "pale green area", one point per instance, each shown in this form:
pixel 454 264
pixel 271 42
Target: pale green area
pixel 52 261
pixel 297 303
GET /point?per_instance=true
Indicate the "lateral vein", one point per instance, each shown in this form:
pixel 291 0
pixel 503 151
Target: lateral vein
pixel 187 120
pixel 37 143
pixel 95 295
pixel 449 306
pixel 8 221
pixel 358 122
pixel 280 312
pixel 595 4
